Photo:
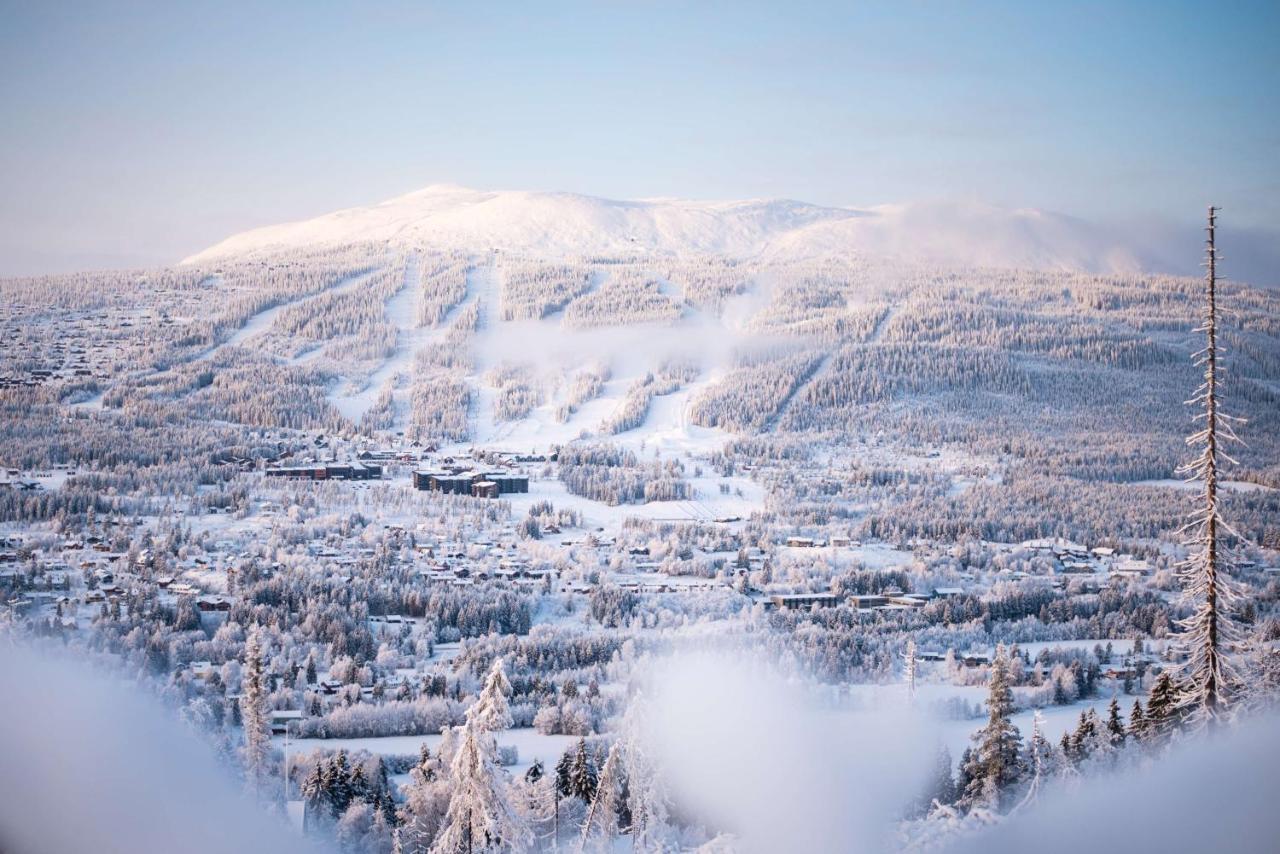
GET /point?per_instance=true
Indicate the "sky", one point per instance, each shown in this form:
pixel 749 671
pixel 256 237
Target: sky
pixel 137 133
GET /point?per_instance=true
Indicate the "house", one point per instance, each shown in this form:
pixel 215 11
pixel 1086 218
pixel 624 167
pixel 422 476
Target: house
pixel 868 601
pixel 281 718
pixel 1130 567
pixel 800 542
pixel 792 601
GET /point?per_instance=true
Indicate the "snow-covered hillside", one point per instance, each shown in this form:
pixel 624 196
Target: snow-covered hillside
pixel 566 224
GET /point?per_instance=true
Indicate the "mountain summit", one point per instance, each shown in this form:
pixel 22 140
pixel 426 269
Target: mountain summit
pixel 447 217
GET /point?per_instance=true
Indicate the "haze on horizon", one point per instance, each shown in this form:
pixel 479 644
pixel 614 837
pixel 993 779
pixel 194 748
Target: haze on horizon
pixel 141 133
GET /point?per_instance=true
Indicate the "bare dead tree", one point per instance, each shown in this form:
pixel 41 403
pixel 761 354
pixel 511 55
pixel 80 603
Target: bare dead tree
pixel 1208 677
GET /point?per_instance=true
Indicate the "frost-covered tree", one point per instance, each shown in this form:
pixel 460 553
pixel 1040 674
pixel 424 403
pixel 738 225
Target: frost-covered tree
pixel 583 776
pixel 254 714
pixel 1137 722
pixel 909 668
pixel 1163 715
pixel 1209 680
pixel 1263 684
pixel 1115 724
pixel 481 816
pixel 941 786
pixel 491 712
pixel 426 803
pixel 995 763
pixel 601 824
pixel 1043 758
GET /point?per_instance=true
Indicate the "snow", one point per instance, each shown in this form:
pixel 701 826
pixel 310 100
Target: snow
pixel 881 556
pixel 447 217
pixel 707 505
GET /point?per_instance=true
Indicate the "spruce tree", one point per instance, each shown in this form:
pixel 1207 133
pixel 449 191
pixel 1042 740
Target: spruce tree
pixel 941 786
pixel 1162 710
pixel 339 791
pixel 359 785
pixel 583 778
pixel 313 796
pixel 1083 738
pixel 481 816
pixel 564 768
pixel 1115 725
pixel 996 760
pixel 1137 722
pixel 963 777
pixel 1209 680
pixel 254 716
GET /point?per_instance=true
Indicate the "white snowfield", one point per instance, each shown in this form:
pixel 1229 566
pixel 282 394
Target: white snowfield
pixel 448 217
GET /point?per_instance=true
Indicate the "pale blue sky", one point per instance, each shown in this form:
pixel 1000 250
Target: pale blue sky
pixel 137 132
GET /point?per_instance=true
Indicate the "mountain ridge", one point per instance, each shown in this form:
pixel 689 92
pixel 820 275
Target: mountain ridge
pixel 562 224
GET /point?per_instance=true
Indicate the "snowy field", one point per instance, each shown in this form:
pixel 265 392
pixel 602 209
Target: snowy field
pixel 706 506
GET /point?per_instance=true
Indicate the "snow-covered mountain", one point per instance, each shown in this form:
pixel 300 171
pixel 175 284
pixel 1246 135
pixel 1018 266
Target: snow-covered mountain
pixel 567 224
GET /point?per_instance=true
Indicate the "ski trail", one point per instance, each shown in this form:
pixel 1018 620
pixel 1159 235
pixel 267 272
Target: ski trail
pixel 401 311
pixel 488 294
pixel 263 321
